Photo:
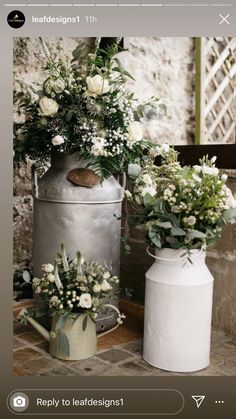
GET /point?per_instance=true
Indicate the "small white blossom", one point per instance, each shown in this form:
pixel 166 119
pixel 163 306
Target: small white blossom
pixel 58 140
pixel 97 288
pixel 105 286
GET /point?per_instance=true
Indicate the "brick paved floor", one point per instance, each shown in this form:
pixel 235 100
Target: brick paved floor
pixel 119 353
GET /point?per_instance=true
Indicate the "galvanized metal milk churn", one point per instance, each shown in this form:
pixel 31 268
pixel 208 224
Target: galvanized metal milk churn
pixel 85 219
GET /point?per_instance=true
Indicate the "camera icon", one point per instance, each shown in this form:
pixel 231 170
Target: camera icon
pixel 19 401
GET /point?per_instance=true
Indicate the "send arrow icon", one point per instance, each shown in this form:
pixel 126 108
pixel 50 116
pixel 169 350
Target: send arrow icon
pixel 198 400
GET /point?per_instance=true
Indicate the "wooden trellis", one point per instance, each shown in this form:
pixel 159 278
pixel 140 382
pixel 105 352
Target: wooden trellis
pixel 215 90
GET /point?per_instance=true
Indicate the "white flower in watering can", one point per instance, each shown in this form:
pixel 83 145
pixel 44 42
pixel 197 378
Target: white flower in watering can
pixel 105 286
pixel 85 300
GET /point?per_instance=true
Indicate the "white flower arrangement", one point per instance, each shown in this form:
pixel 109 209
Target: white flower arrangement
pixel 74 286
pixel 181 207
pixel 86 109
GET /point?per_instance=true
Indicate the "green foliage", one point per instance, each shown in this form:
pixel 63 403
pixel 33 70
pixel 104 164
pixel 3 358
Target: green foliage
pixel 87 106
pixel 181 207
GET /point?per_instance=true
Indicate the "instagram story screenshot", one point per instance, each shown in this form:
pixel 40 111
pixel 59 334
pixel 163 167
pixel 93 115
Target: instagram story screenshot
pixel 118 209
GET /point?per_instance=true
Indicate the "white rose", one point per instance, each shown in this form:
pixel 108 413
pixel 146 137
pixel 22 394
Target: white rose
pixel 58 140
pixel 148 190
pixel 85 300
pixel 97 85
pixel 97 288
pixel 105 286
pixel 48 106
pixel 106 275
pixel 147 179
pixel 48 268
pixel 135 131
pixel 51 278
pixel 212 171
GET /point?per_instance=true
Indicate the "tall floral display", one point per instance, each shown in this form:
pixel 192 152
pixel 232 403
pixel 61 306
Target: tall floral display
pixel 90 124
pixel 183 210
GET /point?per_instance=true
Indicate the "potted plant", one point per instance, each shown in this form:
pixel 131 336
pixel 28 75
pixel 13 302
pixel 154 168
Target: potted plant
pixel 74 292
pixel 183 211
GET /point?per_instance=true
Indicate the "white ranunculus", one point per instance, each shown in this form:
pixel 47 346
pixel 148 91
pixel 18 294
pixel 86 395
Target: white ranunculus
pixel 48 106
pixel 212 171
pixel 135 131
pixel 105 286
pixel 97 288
pixel 85 300
pixel 48 268
pixel 58 140
pixel 148 190
pixel 97 85
pixel 147 179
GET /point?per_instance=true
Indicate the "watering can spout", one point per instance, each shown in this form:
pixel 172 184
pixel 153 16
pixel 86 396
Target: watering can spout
pixel 35 324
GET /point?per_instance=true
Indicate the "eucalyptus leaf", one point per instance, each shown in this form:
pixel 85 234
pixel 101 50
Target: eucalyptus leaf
pixel 165 224
pixel 195 234
pixel 177 231
pixel 229 215
pixel 26 276
pixel 149 200
pixel 60 323
pixel 134 170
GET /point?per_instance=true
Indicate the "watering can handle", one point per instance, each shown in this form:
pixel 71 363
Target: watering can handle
pixel 34 177
pixel 119 321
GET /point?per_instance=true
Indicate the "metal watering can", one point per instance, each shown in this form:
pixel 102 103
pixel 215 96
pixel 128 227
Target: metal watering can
pixel 72 338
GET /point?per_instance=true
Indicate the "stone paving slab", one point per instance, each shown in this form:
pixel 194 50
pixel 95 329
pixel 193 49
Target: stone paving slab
pixel 119 354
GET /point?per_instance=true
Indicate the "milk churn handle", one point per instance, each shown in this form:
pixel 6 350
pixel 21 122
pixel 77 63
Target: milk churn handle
pixel 119 320
pixel 169 259
pixel 34 177
pixel 124 181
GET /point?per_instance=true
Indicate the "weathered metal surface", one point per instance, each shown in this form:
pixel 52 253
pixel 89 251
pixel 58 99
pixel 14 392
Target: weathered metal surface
pixel 85 219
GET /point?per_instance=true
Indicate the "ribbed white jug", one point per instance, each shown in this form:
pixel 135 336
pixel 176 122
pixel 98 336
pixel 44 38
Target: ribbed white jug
pixel 178 310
